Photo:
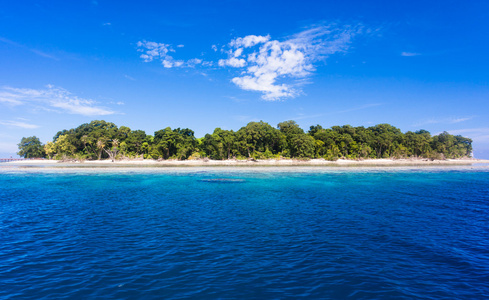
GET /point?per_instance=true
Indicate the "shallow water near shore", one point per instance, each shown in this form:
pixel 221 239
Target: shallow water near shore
pixel 246 233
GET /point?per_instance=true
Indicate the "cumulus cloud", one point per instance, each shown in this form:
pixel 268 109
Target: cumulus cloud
pixel 52 98
pixel 232 62
pixel 275 68
pixel 266 63
pixel 249 41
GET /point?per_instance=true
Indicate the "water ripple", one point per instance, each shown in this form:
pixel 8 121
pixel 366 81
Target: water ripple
pixel 392 235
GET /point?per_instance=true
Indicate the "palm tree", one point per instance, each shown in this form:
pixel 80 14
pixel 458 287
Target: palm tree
pixel 100 147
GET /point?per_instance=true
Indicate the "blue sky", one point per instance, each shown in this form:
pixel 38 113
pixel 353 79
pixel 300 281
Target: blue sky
pixel 206 64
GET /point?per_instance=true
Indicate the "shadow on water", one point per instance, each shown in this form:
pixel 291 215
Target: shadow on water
pixel 223 180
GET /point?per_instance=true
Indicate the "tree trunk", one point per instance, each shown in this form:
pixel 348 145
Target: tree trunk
pixel 112 154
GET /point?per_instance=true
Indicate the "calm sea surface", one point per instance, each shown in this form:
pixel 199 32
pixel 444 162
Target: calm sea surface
pixel 247 234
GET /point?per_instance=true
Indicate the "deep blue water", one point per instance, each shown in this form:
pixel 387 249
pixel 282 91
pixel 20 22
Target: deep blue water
pixel 405 234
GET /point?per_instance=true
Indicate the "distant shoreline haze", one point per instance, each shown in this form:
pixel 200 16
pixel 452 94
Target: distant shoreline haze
pixel 257 140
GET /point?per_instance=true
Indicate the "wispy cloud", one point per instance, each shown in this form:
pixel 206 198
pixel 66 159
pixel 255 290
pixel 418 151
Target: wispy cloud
pixel 264 62
pixel 452 120
pixel 53 98
pixel 38 52
pixel 19 124
pixel 160 51
pixel 410 54
pixel 479 135
pixel 458 120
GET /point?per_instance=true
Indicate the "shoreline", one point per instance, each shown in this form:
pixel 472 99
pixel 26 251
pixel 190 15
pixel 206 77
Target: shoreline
pixel 244 163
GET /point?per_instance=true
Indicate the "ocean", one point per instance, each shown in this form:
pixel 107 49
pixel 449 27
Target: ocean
pixel 250 233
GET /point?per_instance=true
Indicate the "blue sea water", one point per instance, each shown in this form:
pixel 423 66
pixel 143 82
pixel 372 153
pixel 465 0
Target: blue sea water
pixel 244 234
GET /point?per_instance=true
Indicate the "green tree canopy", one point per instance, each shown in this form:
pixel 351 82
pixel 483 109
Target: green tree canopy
pixel 100 139
pixel 31 147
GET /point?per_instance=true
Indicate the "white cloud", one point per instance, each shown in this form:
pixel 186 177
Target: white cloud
pixel 232 62
pixel 19 124
pixel 152 50
pixel 478 135
pixel 169 62
pixel 10 98
pixel 266 61
pixel 193 62
pixel 410 54
pixel 207 63
pixel 443 121
pixel 79 107
pixel 470 130
pixel 275 68
pixel 458 120
pixel 160 51
pixel 249 41
pixel 53 97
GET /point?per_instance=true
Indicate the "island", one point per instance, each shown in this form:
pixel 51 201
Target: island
pixel 257 143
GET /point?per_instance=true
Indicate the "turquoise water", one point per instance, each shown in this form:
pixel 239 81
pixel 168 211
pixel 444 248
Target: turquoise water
pixel 247 234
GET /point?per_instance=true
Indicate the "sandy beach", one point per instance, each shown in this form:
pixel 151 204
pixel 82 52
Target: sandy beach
pixel 248 163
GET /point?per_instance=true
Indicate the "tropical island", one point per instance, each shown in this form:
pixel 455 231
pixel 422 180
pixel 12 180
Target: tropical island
pixel 100 140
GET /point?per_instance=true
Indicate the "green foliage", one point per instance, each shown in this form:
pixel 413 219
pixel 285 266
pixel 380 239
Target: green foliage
pixel 221 144
pixel 313 129
pixel 31 147
pixel 302 146
pixel 64 146
pixel 259 136
pixel 176 144
pixel 258 140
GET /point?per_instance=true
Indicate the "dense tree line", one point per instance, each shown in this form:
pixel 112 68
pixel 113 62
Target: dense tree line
pixel 256 140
